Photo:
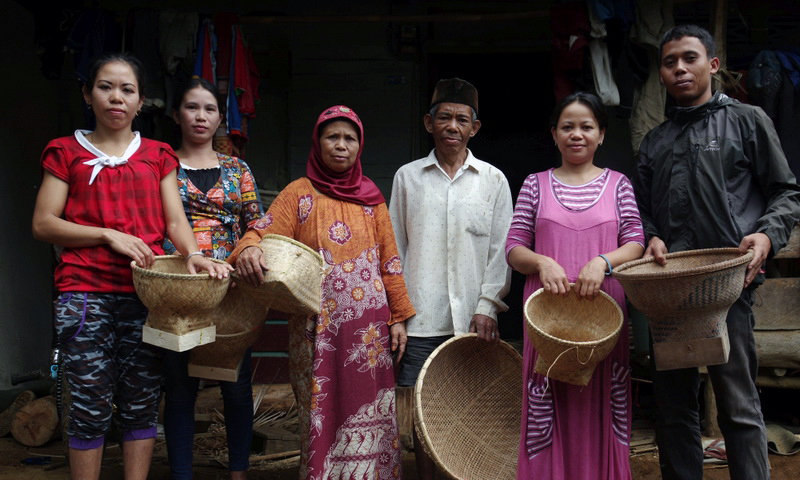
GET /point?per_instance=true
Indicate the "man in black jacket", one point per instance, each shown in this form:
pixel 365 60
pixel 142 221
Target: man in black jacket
pixel 713 175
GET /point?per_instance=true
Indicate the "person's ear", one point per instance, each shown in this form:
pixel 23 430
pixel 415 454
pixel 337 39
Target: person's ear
pixel 714 65
pixel 427 120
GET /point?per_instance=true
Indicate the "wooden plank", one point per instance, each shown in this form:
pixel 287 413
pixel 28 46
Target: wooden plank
pixel 792 249
pixel 779 348
pixel 777 304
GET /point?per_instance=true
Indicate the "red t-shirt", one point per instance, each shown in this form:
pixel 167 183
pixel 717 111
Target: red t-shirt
pixel 125 198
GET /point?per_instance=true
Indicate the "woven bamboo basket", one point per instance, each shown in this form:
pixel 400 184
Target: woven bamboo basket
pixel 238 320
pixel 293 282
pixel 467 404
pixel 572 334
pixel 221 359
pixel 687 301
pixel 179 303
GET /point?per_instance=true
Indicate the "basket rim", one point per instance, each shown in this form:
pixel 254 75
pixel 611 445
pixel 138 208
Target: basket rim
pixel 620 316
pixel 147 272
pixel 275 236
pixel 418 414
pixel 621 273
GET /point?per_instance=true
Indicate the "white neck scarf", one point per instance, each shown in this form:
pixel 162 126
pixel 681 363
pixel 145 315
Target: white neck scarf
pixel 104 160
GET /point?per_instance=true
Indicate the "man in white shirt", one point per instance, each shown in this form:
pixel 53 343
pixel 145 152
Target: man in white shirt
pixel 450 213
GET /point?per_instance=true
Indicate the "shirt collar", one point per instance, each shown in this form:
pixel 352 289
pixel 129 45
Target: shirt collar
pixel 470 162
pixel 102 159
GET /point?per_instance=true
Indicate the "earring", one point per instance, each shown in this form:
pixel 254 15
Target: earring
pixel 599 143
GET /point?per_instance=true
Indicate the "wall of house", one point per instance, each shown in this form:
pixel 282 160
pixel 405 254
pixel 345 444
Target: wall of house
pixel 31 109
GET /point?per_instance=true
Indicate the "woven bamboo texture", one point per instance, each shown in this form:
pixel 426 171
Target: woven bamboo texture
pixel 293 282
pixel 467 404
pixel 571 334
pixel 689 297
pixel 178 302
pixel 227 350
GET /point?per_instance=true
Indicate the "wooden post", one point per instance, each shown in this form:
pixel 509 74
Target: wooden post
pixel 719 28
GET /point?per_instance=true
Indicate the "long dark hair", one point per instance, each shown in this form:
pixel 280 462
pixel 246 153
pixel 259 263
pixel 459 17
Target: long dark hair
pixel 590 100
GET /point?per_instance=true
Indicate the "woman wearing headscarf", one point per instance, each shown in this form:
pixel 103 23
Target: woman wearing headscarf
pixel 341 368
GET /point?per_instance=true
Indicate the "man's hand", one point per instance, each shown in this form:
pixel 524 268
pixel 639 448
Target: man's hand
pixel 656 248
pixel 761 246
pixel 250 265
pixel 486 327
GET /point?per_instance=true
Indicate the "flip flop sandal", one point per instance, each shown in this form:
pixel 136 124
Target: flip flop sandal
pixel 781 441
pixel 716 450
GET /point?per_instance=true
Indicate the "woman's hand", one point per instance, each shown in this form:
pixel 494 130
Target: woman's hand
pixel 656 248
pixel 397 332
pixel 552 275
pixel 197 263
pixel 591 277
pixel 251 266
pixel 130 246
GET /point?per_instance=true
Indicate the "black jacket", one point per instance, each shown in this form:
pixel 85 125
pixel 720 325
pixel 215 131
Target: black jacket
pixel 712 174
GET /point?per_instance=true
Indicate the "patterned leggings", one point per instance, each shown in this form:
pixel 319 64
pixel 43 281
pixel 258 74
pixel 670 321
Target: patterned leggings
pixel 109 372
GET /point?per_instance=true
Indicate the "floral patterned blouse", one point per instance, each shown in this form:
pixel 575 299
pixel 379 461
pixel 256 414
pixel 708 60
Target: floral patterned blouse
pixel 219 216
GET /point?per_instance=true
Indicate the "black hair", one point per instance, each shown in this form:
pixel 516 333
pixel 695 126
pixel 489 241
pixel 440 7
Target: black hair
pixel 191 84
pixel 680 31
pixel 336 119
pixel 127 58
pixel 590 100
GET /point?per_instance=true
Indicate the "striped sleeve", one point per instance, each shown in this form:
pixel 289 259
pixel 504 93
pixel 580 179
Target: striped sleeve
pixel 522 231
pixel 630 229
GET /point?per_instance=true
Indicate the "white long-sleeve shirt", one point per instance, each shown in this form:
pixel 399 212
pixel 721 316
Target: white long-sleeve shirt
pixel 451 237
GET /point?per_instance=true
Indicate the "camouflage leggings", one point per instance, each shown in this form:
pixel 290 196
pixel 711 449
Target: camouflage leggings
pixel 105 361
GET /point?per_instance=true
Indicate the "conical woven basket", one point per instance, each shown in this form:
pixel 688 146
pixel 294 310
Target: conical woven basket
pixel 227 349
pixel 687 301
pixel 572 334
pixel 467 405
pixel 293 282
pixel 178 302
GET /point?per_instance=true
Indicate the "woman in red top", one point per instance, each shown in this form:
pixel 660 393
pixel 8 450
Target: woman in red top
pixel 107 197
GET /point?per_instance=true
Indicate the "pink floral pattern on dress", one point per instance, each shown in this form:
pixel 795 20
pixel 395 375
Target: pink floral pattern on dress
pixel 393 266
pixel 304 206
pixel 367 442
pixel 369 211
pixel 348 290
pixel 263 222
pixel 339 232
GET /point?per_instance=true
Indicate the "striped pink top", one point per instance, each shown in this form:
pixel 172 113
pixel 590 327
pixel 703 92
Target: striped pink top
pixel 577 198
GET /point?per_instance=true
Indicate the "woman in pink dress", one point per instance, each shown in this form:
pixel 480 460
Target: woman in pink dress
pixel 571 226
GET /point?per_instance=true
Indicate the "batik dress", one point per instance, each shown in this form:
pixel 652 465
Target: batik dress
pixel 219 216
pixel 352 426
pixel 571 432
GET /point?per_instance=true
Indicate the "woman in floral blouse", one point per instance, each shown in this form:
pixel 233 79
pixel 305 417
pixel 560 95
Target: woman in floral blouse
pixel 341 367
pixel 221 201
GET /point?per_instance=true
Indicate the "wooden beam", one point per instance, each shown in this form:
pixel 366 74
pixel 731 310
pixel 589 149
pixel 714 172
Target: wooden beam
pixel 443 18
pixel 792 249
pixel 777 304
pixel 778 348
pixel 719 22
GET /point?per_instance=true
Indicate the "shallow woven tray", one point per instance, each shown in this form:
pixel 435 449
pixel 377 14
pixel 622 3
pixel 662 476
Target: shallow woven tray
pixel 293 282
pixel 572 334
pixel 176 299
pixel 467 403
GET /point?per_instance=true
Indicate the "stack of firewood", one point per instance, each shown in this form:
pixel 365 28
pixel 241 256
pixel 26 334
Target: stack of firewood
pixel 32 421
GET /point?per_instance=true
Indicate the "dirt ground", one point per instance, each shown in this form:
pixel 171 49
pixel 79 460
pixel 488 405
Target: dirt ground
pixel 48 462
pixel 12 456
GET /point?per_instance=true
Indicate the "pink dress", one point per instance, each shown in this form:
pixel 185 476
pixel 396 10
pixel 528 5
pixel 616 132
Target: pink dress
pixel 570 432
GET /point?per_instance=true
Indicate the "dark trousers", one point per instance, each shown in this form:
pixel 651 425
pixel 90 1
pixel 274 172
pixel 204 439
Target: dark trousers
pixel 180 392
pixel 739 408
